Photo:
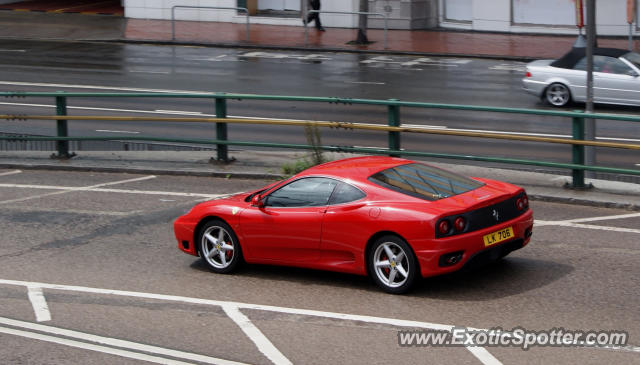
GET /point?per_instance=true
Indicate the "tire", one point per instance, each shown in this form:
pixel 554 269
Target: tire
pixel 224 257
pixel 558 94
pixel 392 264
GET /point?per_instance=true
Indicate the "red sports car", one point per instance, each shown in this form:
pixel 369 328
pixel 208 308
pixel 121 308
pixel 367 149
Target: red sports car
pixel 391 218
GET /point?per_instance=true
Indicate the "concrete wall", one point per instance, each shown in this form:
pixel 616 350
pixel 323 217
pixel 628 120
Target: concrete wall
pixel 529 16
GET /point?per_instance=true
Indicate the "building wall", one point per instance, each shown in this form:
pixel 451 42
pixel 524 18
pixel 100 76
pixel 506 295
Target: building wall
pixel 402 14
pixel 531 16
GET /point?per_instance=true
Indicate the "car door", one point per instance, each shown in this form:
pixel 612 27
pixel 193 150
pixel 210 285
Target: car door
pixel 288 227
pixel 614 81
pixel 345 227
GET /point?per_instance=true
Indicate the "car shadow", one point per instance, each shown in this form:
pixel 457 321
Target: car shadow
pixel 506 277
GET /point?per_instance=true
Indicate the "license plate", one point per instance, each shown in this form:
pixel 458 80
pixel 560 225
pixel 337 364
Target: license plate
pixel 499 236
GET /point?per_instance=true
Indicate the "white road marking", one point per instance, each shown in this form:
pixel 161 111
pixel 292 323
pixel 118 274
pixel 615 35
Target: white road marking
pixel 604 218
pixel 509 67
pixel 71 189
pixel 259 339
pixel 213 59
pixel 586 226
pixel 39 303
pixel 75 86
pixel 483 355
pixel 7 173
pixel 177 112
pixel 13 50
pixel 121 344
pixel 150 72
pixel 365 82
pixel 103 190
pixel 110 131
pixel 305 312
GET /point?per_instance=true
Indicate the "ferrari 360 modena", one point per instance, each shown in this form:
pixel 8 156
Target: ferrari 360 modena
pixel 393 219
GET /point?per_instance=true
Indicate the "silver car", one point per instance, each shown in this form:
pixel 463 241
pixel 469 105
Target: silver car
pixel 615 77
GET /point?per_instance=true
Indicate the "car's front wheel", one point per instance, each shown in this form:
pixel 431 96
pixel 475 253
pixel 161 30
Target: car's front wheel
pixel 219 247
pixel 558 94
pixel 392 264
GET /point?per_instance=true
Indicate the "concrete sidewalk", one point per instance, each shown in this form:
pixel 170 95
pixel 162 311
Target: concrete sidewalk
pixel 43 26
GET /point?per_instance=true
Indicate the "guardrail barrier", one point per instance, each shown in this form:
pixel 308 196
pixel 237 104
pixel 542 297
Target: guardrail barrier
pixel 393 129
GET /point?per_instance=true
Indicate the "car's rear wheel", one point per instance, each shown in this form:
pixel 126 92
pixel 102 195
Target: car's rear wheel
pixel 219 247
pixel 558 94
pixel 392 264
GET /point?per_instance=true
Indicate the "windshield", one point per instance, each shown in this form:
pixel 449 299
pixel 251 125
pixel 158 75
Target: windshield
pixel 633 58
pixel 424 181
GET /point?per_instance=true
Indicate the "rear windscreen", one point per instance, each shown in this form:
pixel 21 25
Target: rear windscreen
pixel 424 181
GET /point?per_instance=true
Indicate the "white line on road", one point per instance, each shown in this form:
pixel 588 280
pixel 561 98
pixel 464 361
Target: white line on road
pixel 100 87
pixel 149 72
pixel 13 50
pixel 39 303
pixel 71 189
pixel 586 226
pixel 365 82
pixel 259 339
pixel 122 344
pixel 103 190
pixel 110 131
pixel 7 173
pixel 177 112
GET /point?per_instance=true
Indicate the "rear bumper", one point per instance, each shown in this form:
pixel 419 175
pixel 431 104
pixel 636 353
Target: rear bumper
pixel 533 87
pixel 470 246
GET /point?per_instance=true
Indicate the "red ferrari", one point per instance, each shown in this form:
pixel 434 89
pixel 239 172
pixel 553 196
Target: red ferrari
pixel 390 218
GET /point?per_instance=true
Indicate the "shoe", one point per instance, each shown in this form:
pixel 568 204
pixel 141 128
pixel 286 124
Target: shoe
pixel 321 29
pixel 304 21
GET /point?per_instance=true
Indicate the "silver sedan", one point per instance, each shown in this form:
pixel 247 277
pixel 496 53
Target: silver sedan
pixel 615 77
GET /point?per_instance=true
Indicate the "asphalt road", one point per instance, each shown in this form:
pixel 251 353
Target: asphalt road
pixel 106 67
pixel 90 273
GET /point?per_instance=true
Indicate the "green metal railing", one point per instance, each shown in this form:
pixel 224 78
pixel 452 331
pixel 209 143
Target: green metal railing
pixel 393 129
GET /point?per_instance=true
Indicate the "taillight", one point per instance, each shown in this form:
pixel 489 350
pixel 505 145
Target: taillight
pixel 444 227
pixel 528 74
pixel 459 224
pixel 522 202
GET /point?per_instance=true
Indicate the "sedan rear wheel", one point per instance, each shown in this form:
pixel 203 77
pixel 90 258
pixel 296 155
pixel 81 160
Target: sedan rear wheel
pixel 392 264
pixel 219 247
pixel 558 94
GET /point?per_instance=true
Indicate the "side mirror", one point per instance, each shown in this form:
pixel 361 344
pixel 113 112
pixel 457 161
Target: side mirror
pixel 256 201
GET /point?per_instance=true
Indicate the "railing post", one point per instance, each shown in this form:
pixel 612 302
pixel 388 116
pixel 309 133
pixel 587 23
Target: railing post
pixel 578 153
pixel 221 129
pixel 394 121
pixel 62 146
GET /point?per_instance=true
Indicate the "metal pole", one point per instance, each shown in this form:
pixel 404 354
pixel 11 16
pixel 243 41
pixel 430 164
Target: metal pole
pixel 62 129
pixel 590 130
pixel 630 36
pixel 394 121
pixel 221 130
pixel 173 23
pixel 385 31
pixel 578 153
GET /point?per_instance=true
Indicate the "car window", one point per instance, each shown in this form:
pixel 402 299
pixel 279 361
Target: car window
pixel 605 64
pixel 345 193
pixel 633 57
pixel 306 192
pixel 424 181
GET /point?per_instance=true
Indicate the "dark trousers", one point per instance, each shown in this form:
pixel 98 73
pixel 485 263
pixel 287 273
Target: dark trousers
pixel 315 5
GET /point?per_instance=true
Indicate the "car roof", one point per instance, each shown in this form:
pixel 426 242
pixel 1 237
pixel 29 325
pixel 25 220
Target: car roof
pixel 356 168
pixel 576 54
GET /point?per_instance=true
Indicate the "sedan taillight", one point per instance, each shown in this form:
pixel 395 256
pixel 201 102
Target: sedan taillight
pixel 528 74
